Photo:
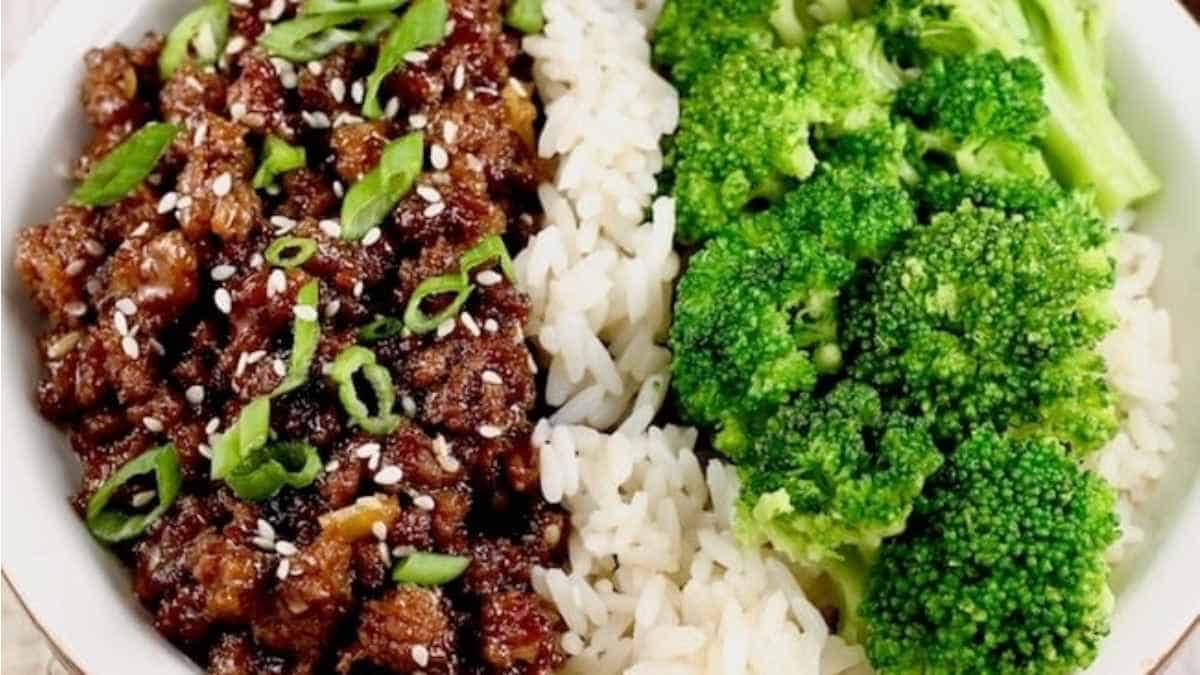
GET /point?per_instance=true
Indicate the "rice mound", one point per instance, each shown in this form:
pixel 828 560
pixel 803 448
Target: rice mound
pixel 658 584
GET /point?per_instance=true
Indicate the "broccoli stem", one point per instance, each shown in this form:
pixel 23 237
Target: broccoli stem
pixel 849 577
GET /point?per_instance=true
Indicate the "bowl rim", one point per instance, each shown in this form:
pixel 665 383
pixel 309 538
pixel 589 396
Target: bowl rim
pixel 1175 33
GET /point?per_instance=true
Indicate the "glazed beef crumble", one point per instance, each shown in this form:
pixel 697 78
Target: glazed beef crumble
pixel 166 321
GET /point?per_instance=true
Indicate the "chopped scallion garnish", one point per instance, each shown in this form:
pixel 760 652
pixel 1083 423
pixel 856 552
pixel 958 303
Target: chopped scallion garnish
pixel 525 15
pixel 311 38
pixel 423 24
pixel 382 328
pixel 278 158
pixel 357 359
pixel 342 6
pixel 415 318
pixel 264 471
pixel 373 197
pixel 305 336
pixel 126 165
pixel 250 431
pixel 113 525
pixel 289 252
pixel 429 569
pixel 206 29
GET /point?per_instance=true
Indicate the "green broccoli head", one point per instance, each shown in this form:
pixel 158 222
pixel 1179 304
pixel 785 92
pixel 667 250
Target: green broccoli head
pixel 1084 143
pixel 887 151
pixel 744 131
pixel 754 325
pixel 1001 568
pixel 976 97
pixel 984 317
pixel 832 474
pixel 853 210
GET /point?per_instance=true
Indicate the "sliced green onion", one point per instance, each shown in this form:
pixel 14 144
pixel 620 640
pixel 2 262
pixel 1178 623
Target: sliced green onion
pixel 305 336
pixel 113 525
pixel 335 6
pixel 488 249
pixel 309 38
pixel 289 252
pixel 382 328
pixel 278 158
pixel 374 27
pixel 415 318
pixel 206 28
pixel 429 569
pixel 373 197
pixel 525 15
pixel 423 24
pixel 351 361
pixel 264 471
pixel 126 165
pixel 250 431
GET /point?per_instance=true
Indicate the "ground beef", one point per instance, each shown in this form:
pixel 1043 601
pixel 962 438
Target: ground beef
pixel 165 319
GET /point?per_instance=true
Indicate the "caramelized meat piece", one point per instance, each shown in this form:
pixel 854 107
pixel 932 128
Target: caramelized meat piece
pixel 357 148
pixel 214 190
pixel 110 87
pixel 305 607
pixel 521 629
pixel 409 629
pixel 256 98
pixel 54 261
pixel 307 195
pixel 191 92
pixel 236 654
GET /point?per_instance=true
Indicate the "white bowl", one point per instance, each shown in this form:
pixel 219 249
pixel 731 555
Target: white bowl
pixel 80 595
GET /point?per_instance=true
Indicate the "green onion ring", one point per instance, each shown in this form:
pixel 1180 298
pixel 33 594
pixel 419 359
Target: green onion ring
pixel 382 328
pixel 429 569
pixel 415 318
pixel 264 471
pixel 488 249
pixel 276 253
pixel 250 431
pixel 349 362
pixel 305 336
pixel 113 525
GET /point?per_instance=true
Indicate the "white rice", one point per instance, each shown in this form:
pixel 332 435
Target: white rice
pixel 656 583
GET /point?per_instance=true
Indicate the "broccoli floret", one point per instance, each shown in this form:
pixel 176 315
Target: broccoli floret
pixel 744 130
pixel 1084 143
pixel 1001 568
pixel 886 151
pixel 946 191
pixel 854 212
pixel 692 36
pixel 832 474
pixel 987 317
pixel 754 325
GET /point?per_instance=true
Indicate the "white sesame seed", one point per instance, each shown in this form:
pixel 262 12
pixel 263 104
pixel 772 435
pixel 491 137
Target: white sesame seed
pixel 126 306
pixel 491 326
pixel 185 202
pixel 331 228
pixel 201 134
pixel 255 356
pixel 75 308
pixel 273 11
pixel 416 56
pixel 333 466
pixel 372 237
pixel 315 67
pixel 450 24
pixel 276 282
pixel 392 108
pixel 460 77
pixel 237 111
pixel 75 267
pixel 222 184
pixel 339 190
pixel 424 502
pixel 285 548
pixel 212 426
pixel 193 82
pixel 93 247
pixel 488 278
pixel 474 163
pixel 417 121
pixel 469 322
pixel 491 377
pixel 434 210
pixel 285 568
pixel 449 132
pixel 121 324
pixel 205 451
pixel 279 367
pixel 403 551
pixel 195 394
pixel 315 119
pixel 256 261
pixel 446 328
pixel 357 91
pixel 389 475
pixel 345 118
pixel 142 498
pixel 409 405
pixel 223 272
pixel 373 462
pixel 241 365
pixel 420 655
pixel 305 312
pixel 429 194
pixel 367 450
pixel 266 530
pixel 438 157
pixel 223 300
pixel 379 530
pixel 383 553
pixel 519 87
pixel 153 424
pixel 283 223
pixel 167 203
pixel 264 543
pixel 533 368
pixel 236 44
pixel 337 88
pixel 358 289
pixel 490 431
pixel 157 347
